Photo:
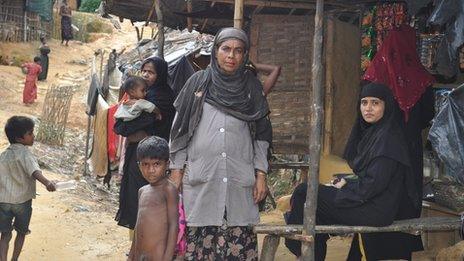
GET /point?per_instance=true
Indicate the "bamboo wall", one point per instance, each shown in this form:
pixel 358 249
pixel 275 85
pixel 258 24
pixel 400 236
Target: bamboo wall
pixel 287 41
pixel 12 20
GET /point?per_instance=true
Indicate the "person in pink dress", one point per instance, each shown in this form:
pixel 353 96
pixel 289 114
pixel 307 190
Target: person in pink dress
pixel 30 87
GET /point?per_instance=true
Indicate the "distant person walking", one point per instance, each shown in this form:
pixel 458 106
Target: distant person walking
pixel 44 51
pixel 66 28
pixel 30 86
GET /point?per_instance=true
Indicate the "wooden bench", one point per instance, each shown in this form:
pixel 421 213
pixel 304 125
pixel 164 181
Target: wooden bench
pixel 414 226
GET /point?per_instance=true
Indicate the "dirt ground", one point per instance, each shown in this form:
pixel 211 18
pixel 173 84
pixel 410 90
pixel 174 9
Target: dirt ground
pixel 79 224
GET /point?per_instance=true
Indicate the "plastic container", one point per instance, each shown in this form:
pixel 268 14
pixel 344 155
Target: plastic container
pixel 65 185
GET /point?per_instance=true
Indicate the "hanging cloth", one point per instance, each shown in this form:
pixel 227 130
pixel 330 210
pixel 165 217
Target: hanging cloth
pixel 397 65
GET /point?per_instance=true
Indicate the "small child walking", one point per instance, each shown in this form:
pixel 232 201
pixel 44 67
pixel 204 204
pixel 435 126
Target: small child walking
pixel 157 218
pixel 19 171
pixel 30 86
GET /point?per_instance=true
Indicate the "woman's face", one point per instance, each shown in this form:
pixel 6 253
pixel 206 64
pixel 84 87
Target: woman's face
pixel 230 55
pixel 372 109
pixel 149 73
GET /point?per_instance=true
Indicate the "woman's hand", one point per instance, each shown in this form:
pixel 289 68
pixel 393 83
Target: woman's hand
pixel 260 188
pixel 340 184
pixel 176 177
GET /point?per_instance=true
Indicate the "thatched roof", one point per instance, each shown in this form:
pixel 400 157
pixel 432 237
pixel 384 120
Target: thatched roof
pixel 210 15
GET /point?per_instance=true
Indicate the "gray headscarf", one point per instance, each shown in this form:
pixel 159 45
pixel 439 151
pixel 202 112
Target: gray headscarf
pixel 240 95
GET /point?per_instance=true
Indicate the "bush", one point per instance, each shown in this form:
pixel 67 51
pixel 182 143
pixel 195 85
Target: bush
pixel 99 26
pixel 89 6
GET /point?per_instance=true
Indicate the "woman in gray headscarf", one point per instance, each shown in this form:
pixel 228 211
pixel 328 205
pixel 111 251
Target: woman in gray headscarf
pixel 219 146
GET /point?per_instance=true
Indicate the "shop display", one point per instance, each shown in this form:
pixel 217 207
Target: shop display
pixel 428 46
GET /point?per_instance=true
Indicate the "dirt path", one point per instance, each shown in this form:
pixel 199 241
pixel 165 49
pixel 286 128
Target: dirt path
pixel 67 225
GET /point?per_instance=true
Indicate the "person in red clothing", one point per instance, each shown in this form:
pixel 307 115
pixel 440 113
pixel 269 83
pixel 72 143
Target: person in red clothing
pixel 30 87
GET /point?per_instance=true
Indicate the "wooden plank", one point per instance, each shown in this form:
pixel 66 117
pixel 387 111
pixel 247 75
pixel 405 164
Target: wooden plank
pixel 265 3
pixel 315 139
pixel 270 245
pixel 238 14
pixel 408 225
pixel 282 4
pixel 289 165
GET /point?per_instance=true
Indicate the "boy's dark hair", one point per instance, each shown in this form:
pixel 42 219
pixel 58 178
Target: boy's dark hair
pixel 17 126
pixel 37 59
pixel 153 147
pixel 131 82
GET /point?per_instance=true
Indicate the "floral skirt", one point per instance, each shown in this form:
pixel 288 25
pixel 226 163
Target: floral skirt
pixel 221 243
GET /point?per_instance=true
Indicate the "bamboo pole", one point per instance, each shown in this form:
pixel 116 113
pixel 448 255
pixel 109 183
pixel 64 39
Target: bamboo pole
pixel 25 26
pixel 238 14
pixel 159 18
pixel 329 83
pixel 270 245
pixel 309 220
pixel 442 223
pixel 189 19
pixel 150 14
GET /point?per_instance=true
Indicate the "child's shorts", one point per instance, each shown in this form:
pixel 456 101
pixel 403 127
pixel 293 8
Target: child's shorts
pixel 21 213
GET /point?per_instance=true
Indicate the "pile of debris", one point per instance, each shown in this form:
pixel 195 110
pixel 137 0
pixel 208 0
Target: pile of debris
pixel 177 45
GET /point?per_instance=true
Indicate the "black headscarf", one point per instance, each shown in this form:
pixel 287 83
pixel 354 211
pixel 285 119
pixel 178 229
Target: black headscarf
pixel 240 95
pixel 162 96
pixel 384 138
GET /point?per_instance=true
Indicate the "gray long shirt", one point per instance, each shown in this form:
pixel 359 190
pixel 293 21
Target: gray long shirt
pixel 220 163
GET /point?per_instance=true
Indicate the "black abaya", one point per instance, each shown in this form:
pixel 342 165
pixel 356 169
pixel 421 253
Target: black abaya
pixel 163 97
pixel 131 182
pixel 373 200
pixel 383 189
pixel 44 51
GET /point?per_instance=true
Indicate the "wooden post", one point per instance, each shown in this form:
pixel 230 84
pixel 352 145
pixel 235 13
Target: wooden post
pixel 159 19
pixel 238 14
pixel 87 143
pixel 25 26
pixel 329 83
pixel 189 19
pixel 150 14
pixel 309 220
pixel 270 245
pixel 101 67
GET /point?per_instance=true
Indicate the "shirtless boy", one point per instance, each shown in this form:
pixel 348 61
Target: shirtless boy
pixel 157 218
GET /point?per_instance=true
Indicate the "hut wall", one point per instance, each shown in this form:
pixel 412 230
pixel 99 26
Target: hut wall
pixel 287 41
pixel 12 22
pixel 345 81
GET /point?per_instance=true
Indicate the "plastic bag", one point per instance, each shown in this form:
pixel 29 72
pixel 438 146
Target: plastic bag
pixel 447 134
pixel 450 14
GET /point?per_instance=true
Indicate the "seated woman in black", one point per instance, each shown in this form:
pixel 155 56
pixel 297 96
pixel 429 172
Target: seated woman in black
pixel 382 184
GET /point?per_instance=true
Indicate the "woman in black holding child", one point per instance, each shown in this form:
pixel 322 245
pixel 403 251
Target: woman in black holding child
pixel 158 92
pixel 382 186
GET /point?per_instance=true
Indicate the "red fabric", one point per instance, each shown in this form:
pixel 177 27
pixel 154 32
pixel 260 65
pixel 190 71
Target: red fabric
pixel 397 65
pixel 112 137
pixel 30 86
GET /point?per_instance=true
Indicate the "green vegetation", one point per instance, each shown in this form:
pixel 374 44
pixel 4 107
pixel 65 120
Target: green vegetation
pixel 89 6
